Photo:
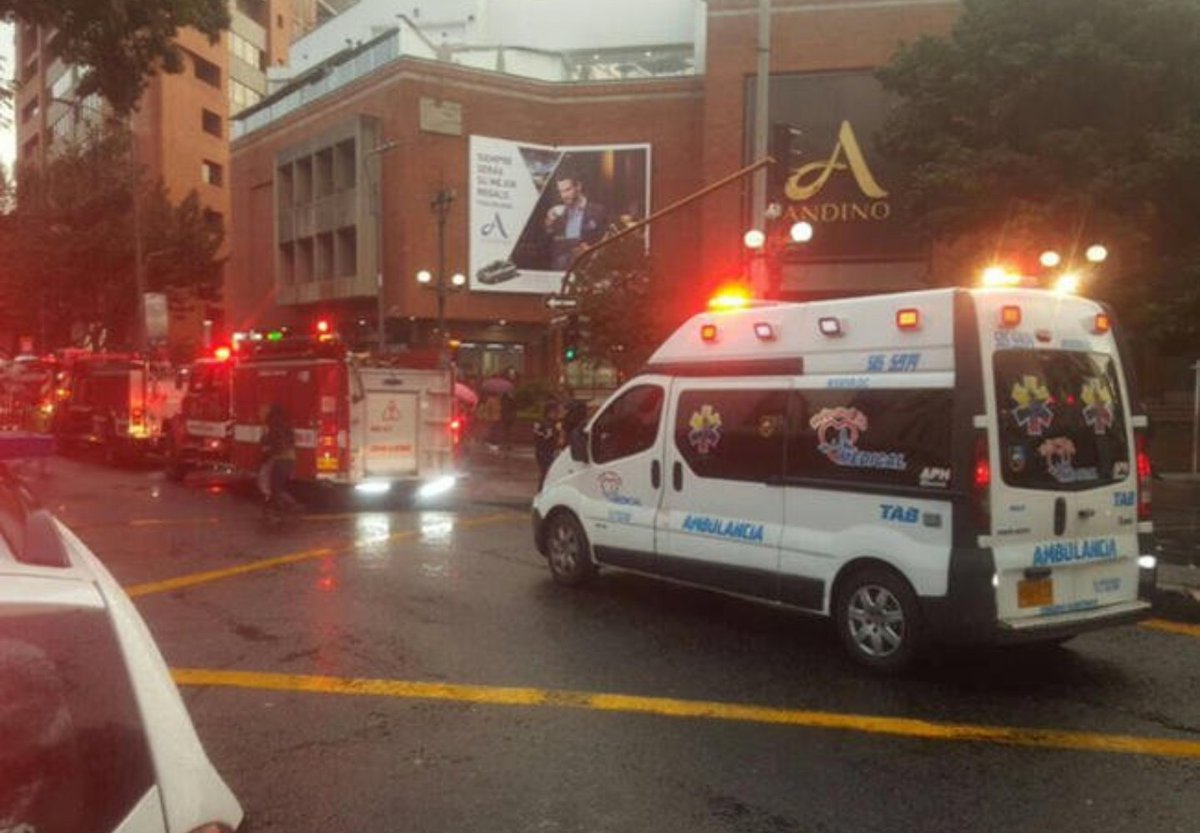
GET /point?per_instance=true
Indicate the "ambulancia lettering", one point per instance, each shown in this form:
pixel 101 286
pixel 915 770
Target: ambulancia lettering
pixel 1064 552
pixel 739 530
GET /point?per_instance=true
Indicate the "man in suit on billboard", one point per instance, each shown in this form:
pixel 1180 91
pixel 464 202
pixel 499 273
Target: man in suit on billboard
pixel 575 223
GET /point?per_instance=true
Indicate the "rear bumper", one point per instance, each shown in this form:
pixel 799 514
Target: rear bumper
pixel 967 613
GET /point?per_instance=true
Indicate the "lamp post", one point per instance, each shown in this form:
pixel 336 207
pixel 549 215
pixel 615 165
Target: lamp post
pixel 440 205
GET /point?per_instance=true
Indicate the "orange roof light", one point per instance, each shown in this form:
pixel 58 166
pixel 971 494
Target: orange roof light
pixel 708 332
pixel 1102 324
pixel 730 297
pixel 908 319
pixel 1010 316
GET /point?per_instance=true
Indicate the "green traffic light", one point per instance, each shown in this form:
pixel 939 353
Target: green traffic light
pixel 570 354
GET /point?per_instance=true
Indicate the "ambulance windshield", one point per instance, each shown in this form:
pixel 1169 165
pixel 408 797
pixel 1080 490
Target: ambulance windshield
pixel 1061 420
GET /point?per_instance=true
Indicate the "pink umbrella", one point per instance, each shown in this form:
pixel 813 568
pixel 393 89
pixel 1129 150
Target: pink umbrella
pixel 464 394
pixel 497 386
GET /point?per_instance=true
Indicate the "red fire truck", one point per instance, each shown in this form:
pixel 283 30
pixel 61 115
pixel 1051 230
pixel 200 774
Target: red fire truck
pixel 359 423
pixel 120 403
pixel 201 436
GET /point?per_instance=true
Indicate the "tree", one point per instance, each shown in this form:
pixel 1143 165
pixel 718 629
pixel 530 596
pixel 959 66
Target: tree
pixel 1053 124
pixel 121 43
pixel 621 304
pixel 70 245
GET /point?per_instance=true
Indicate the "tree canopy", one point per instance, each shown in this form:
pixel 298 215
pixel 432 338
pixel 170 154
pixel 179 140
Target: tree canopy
pixel 120 43
pixel 69 245
pixel 1054 124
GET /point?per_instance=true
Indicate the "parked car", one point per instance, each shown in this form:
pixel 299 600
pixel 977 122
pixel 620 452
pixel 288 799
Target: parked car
pixel 95 735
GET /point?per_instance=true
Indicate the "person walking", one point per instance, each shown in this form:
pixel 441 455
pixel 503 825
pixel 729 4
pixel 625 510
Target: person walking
pixel 279 450
pixel 547 439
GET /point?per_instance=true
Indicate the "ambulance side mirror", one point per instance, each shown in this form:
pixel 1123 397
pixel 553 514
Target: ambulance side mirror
pixel 579 445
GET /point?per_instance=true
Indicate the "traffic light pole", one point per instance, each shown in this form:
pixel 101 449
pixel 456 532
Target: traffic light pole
pixel 588 252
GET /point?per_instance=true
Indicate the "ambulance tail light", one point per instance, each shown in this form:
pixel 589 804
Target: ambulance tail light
pixel 981 485
pixel 1010 316
pixel 1144 473
pixel 222 354
pixel 908 319
pixel 456 426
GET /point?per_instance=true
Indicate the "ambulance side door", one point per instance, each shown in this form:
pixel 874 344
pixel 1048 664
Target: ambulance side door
pixel 722 508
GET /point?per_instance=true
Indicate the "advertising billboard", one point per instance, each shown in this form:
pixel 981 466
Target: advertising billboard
pixel 533 207
pixel 824 126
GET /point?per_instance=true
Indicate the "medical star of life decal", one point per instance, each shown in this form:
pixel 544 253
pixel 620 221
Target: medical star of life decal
pixel 1033 409
pixel 706 429
pixel 1098 399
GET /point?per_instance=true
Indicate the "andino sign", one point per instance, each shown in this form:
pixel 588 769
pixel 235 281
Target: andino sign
pixel 836 178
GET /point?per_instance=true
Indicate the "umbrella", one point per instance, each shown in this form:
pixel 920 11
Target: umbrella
pixel 497 386
pixel 464 394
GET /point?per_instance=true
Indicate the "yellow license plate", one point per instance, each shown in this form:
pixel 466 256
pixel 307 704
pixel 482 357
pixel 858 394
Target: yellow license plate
pixel 1035 592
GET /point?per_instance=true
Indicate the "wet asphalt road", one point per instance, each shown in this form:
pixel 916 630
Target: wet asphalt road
pixel 480 711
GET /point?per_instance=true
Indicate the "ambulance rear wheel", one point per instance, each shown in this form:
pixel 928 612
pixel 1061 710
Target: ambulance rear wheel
pixel 878 619
pixel 567 550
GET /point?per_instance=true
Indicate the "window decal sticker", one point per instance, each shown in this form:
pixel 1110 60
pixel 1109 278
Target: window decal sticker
pixel 1098 399
pixel 706 429
pixel 1016 458
pixel 1033 405
pixel 1059 454
pixel 838 431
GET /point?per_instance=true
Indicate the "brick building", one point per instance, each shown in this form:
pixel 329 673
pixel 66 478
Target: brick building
pixel 334 173
pixel 181 125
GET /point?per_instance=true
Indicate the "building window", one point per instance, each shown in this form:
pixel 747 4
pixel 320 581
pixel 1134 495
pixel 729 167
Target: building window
pixel 29 110
pixel 212 173
pixel 211 123
pixel 207 71
pixel 247 52
pixel 241 96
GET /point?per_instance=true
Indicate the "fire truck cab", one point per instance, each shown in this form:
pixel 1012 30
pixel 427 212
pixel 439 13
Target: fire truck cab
pixel 201 435
pixel 358 423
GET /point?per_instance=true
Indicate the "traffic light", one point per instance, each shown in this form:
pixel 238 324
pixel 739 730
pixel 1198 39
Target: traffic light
pixel 783 145
pixel 571 338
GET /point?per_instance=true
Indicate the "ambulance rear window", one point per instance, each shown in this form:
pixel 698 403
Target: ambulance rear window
pixel 1061 420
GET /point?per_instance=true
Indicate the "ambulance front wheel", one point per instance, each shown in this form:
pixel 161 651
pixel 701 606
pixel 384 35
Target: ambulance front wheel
pixel 878 619
pixel 567 550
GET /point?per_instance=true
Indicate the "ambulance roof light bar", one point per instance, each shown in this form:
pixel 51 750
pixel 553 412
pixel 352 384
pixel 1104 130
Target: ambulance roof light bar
pixel 908 319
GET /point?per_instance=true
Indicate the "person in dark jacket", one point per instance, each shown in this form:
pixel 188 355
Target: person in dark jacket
pixel 279 455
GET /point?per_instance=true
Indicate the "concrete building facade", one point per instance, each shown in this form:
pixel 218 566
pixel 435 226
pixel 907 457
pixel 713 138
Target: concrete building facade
pixel 333 173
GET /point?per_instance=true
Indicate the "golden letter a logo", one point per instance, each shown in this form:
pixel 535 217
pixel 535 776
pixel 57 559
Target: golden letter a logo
pixel 808 180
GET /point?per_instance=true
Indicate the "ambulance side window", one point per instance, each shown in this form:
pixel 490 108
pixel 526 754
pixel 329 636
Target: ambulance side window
pixel 628 425
pixel 875 437
pixel 732 434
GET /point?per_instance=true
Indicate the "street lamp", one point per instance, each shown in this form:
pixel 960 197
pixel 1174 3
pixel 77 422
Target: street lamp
pixel 440 205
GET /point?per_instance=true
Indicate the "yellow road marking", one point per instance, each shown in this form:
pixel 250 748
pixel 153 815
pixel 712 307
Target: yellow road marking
pixel 1171 627
pixel 193 579
pixel 696 709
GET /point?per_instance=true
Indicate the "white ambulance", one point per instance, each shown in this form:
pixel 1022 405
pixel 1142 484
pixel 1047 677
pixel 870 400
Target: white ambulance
pixel 945 465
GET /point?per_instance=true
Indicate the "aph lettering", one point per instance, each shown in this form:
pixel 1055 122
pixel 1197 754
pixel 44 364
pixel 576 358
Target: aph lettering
pixel 808 180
